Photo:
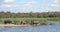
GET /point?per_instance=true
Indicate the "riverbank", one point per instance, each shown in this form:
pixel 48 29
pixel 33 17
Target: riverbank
pixel 47 28
pixel 13 25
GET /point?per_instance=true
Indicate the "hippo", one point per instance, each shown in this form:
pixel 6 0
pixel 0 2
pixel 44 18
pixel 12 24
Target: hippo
pixel 51 24
pixel 7 21
pixel 43 23
pixel 22 22
pixel 18 23
pixel 35 22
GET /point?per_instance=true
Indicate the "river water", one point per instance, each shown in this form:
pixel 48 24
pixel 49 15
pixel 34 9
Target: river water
pixel 44 28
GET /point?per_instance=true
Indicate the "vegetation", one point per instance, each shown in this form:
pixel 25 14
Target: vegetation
pixel 29 15
pixel 30 19
pixel 17 17
pixel 21 19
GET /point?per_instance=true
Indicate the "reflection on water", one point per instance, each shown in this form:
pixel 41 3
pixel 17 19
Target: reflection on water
pixel 44 28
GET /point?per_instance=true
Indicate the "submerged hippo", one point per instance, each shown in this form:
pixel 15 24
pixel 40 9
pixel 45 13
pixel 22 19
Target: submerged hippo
pixel 51 24
pixel 43 23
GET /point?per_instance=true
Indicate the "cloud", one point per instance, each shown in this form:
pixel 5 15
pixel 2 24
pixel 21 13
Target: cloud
pixel 30 3
pixel 33 2
pixel 55 3
pixel 7 5
pixel 26 5
pixel 8 1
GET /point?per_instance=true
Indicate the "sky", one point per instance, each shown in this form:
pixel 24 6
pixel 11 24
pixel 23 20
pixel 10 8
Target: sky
pixel 30 5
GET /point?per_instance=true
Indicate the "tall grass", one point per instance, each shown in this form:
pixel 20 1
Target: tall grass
pixel 14 20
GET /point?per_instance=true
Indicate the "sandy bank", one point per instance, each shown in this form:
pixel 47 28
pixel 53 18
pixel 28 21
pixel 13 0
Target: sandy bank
pixel 12 25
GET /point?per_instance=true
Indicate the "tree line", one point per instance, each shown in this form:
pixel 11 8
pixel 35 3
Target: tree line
pixel 29 15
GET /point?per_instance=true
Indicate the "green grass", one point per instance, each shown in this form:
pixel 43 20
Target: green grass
pixel 54 19
pixel 30 19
